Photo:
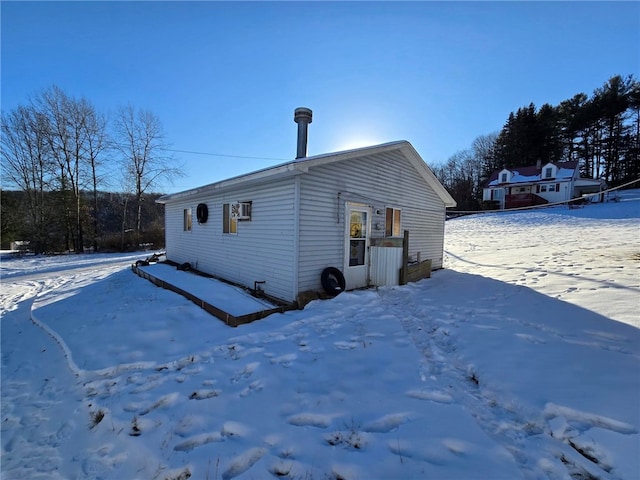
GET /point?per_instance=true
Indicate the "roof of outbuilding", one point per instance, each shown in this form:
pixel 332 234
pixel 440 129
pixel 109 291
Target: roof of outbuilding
pixel 302 165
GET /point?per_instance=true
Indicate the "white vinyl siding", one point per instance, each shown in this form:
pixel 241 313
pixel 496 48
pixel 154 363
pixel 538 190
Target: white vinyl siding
pixel 296 226
pixel 556 192
pixel 380 180
pixel 262 249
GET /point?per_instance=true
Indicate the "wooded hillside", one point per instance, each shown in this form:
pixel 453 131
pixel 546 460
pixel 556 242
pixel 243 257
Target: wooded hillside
pixel 114 230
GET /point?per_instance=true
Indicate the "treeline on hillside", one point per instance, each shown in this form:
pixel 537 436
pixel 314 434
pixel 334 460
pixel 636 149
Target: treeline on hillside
pixel 115 216
pixel 61 154
pixel 601 132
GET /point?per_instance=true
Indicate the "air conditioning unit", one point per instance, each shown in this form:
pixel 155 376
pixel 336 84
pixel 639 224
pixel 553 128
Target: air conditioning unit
pixel 241 210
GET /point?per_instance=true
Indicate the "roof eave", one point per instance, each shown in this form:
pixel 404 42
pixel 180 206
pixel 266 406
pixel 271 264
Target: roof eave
pixel 302 165
pixel 280 171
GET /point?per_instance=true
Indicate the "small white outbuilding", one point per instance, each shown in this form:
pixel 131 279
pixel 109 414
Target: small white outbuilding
pixel 278 229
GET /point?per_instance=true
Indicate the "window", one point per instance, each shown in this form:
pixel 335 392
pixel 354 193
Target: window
pixel 187 220
pixel 548 172
pixel 358 223
pixel 543 188
pixel 503 178
pixel 229 222
pixel 241 211
pixel 392 223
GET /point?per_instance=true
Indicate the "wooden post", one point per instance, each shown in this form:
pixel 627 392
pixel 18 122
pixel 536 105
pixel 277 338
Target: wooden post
pixel 404 271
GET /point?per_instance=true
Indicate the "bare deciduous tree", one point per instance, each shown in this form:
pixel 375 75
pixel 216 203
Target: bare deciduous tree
pixel 76 139
pixel 27 164
pixel 97 143
pixel 140 138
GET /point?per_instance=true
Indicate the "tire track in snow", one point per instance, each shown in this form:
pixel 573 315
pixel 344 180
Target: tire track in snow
pixel 38 427
pixel 36 422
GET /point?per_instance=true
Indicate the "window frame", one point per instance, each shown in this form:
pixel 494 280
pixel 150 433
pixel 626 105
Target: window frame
pixel 187 219
pixel 393 216
pixel 246 208
pixel 229 223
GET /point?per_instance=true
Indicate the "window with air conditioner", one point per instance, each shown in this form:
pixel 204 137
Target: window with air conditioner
pixel 241 211
pixel 235 212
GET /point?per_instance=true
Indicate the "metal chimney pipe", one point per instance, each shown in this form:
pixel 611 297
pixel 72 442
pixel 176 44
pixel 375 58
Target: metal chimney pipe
pixel 302 116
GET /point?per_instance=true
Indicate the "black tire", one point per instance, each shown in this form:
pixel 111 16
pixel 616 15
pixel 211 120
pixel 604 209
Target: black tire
pixel 202 213
pixel 332 281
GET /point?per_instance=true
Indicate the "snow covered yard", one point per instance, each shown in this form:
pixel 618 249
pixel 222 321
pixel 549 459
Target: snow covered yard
pixel 520 360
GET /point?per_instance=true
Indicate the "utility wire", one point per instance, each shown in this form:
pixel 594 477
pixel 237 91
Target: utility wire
pixel 230 156
pixel 540 207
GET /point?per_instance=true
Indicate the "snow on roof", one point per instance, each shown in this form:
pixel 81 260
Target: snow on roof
pixel 532 174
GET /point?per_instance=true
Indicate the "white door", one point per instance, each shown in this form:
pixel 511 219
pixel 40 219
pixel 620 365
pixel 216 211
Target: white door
pixel 356 254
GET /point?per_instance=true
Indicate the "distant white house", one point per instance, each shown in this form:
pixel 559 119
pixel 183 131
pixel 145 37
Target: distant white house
pixel 538 185
pixel 278 229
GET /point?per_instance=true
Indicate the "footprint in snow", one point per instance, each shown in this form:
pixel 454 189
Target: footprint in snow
pixel 607 336
pixel 94 467
pixel 387 423
pixel 433 395
pixel 253 387
pixel 165 401
pixel 433 455
pixel 145 387
pixel 204 394
pixel 64 432
pixel 243 462
pixel 198 441
pixel 455 446
pixel 189 425
pixel 234 429
pixel 285 360
pixel 577 417
pixel 246 372
pixel 194 370
pixel 530 338
pixel 485 327
pixel 311 420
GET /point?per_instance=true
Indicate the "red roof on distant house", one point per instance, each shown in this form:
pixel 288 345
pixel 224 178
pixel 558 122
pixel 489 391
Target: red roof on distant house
pixel 532 173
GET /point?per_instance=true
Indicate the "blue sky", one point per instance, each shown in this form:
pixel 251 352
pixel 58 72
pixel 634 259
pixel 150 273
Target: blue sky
pixel 225 77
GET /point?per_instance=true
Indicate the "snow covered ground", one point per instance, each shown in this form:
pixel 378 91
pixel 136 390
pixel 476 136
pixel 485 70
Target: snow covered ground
pixel 520 360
